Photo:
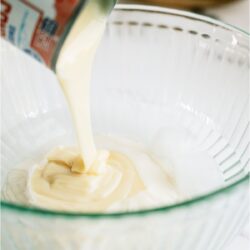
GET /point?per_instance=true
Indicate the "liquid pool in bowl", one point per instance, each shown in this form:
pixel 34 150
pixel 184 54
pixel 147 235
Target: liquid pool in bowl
pixel 158 74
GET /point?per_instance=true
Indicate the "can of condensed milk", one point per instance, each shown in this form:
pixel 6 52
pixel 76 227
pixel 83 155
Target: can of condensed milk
pixel 39 28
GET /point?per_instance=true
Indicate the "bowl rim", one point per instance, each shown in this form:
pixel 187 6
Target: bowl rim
pixel 183 13
pixel 193 201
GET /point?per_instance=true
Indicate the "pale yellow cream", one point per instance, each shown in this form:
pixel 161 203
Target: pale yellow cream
pixel 54 185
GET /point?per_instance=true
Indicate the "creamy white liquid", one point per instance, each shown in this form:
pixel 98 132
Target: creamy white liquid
pixel 133 180
pixel 121 177
pixel 74 72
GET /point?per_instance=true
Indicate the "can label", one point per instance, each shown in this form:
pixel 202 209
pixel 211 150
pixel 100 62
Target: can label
pixel 37 27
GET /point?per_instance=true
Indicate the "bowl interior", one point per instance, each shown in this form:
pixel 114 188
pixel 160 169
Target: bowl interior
pixel 175 83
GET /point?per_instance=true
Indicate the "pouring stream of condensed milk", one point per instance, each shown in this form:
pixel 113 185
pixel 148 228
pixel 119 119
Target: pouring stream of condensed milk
pixel 124 175
pixel 73 70
pixel 89 179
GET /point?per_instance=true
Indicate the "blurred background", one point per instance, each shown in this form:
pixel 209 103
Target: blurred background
pixel 235 12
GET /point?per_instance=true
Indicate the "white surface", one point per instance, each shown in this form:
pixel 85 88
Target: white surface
pixel 241 241
pixel 235 13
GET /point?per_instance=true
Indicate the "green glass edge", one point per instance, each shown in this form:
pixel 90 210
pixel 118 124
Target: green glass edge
pixel 245 180
pixel 185 203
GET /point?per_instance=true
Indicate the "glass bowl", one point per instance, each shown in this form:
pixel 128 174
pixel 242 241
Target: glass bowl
pixel 156 70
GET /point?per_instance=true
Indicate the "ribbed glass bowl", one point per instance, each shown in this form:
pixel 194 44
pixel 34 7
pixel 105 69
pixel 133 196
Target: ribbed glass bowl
pixel 156 68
